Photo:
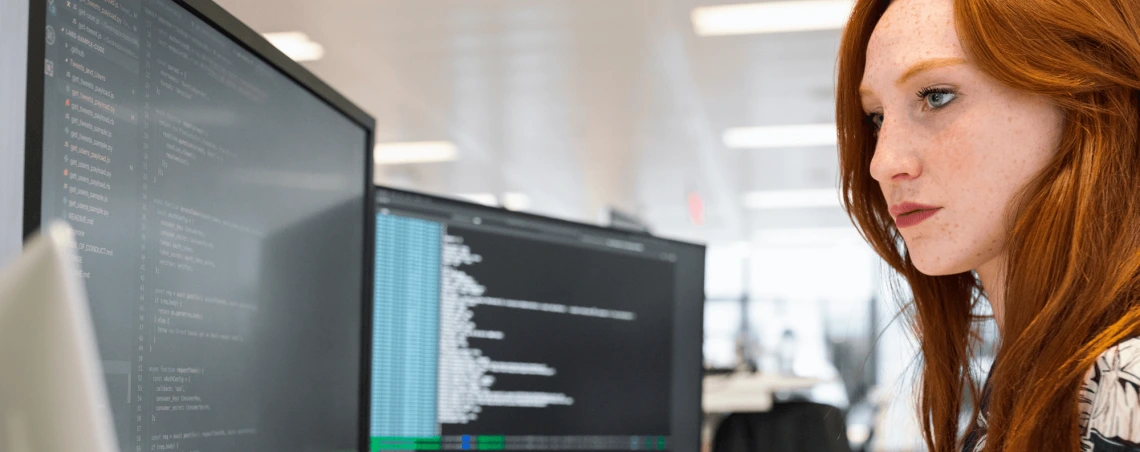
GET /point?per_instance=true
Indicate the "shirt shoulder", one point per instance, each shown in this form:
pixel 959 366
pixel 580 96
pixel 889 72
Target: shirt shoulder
pixel 1110 401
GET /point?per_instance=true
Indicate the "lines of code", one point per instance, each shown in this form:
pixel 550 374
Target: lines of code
pixel 543 338
pixel 542 345
pixel 159 134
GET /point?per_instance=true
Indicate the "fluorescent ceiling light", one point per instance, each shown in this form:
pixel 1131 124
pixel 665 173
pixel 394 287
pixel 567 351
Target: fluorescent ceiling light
pixel 414 152
pixel 780 136
pixel 487 199
pixel 791 199
pixel 771 17
pixel 516 201
pixel 296 45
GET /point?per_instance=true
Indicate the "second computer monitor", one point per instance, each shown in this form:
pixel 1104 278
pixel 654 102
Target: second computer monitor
pixel 495 330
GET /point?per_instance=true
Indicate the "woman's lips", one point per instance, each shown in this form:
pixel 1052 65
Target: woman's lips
pixel 908 214
pixel 915 217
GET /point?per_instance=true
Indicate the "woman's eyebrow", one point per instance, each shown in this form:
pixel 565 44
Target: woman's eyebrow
pixel 915 69
pixel 926 65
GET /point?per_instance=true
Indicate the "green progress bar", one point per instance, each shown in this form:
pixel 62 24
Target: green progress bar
pixel 493 442
pixel 406 443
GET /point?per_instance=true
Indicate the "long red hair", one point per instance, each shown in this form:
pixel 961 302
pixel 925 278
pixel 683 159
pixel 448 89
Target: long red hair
pixel 1073 273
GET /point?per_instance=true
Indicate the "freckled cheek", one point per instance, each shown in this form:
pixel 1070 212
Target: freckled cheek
pixel 953 156
pixel 968 178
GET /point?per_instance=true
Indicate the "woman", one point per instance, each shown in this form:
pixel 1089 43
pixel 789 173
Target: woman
pixel 989 151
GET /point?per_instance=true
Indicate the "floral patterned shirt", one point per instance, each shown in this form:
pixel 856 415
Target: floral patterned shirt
pixel 1109 404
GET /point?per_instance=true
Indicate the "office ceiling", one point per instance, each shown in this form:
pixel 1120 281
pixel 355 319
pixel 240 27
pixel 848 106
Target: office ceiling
pixel 580 104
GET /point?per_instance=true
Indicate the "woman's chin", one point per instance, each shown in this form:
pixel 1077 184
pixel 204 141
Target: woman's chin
pixel 934 263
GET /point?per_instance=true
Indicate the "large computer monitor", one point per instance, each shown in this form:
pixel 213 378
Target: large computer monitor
pixel 221 201
pixel 496 330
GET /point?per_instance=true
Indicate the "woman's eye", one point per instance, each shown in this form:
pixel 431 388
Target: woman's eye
pixel 938 99
pixel 876 119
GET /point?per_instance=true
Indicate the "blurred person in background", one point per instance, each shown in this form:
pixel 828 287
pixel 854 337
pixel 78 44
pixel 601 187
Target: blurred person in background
pixel 989 153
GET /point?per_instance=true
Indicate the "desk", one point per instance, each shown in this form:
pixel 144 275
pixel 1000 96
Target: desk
pixel 748 393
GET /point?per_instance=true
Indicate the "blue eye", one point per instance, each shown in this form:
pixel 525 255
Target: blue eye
pixel 936 98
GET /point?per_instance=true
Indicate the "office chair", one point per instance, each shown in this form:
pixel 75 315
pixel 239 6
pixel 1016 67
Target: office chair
pixel 789 427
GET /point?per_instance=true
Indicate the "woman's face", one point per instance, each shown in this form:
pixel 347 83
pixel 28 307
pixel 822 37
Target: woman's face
pixel 954 145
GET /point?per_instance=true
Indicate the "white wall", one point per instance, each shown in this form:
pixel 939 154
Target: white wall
pixel 13 77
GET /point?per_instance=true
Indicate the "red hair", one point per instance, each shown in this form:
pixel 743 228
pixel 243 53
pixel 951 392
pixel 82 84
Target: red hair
pixel 1073 272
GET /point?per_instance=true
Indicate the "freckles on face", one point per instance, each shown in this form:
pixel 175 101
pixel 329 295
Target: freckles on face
pixel 967 150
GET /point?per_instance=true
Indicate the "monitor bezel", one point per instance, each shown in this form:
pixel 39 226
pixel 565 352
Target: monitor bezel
pixel 247 38
pixel 628 233
pixel 696 336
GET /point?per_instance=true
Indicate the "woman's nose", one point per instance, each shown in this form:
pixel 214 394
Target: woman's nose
pixel 895 156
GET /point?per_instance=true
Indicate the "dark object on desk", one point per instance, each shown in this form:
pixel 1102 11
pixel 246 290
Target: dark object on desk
pixel 789 427
pixel 719 371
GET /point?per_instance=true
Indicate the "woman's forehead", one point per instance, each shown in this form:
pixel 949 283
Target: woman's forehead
pixel 911 31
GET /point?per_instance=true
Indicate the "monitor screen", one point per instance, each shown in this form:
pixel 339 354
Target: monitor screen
pixel 220 202
pixel 496 330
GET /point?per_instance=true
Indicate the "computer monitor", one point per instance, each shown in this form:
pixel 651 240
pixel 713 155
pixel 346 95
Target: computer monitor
pixel 222 204
pixel 497 330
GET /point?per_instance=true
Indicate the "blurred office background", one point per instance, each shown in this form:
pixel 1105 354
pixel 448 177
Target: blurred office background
pixel 703 123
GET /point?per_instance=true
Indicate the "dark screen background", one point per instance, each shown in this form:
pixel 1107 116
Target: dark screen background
pixel 618 372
